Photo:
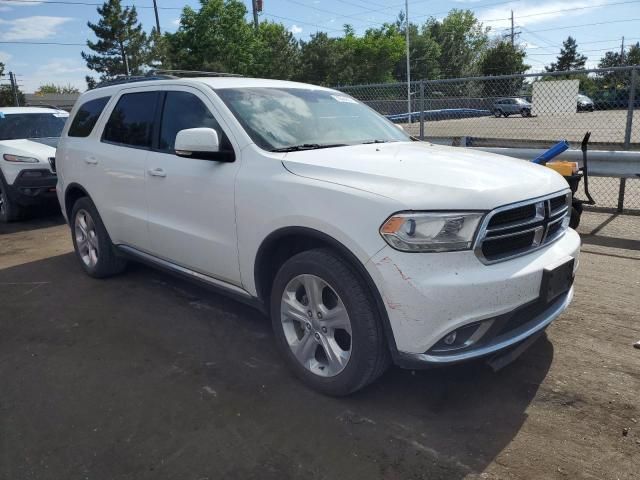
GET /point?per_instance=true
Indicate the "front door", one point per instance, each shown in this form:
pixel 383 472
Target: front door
pixel 191 208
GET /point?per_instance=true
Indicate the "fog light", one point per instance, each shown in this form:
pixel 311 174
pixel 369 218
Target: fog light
pixel 450 339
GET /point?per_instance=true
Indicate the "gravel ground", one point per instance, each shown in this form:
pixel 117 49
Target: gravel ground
pixel 144 376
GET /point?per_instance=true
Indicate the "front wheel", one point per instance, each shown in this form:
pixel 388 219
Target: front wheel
pixel 525 112
pixel 326 323
pixel 497 113
pixel 9 210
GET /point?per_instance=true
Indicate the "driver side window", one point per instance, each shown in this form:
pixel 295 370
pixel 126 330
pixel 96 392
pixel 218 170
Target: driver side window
pixel 184 110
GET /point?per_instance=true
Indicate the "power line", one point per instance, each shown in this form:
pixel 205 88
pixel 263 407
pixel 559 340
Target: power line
pixel 17 42
pixel 584 25
pixel 325 29
pixel 88 4
pixel 563 10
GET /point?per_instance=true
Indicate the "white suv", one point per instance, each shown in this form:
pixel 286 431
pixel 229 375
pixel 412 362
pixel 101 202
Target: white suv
pixel 364 245
pixel 28 138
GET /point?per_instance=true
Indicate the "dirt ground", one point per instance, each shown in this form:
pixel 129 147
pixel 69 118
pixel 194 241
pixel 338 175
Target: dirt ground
pixel 144 376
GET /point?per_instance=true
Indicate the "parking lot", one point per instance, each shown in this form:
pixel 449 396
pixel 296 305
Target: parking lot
pixel 146 376
pixel 606 126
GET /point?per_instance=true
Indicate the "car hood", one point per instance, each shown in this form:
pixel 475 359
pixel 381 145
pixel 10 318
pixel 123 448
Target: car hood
pixel 425 176
pixel 40 148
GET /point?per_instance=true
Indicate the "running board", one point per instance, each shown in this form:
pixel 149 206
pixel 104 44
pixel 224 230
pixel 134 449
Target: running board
pixel 183 271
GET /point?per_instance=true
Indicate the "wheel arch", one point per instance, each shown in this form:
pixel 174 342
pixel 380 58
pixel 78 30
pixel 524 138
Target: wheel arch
pixel 285 242
pixel 72 193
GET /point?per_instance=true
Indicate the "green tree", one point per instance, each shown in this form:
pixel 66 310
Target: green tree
pixel 52 88
pixel 318 59
pixel 6 93
pixel 279 52
pixel 216 37
pixel 462 39
pixel 502 58
pixel 617 59
pixel 122 48
pixel 569 58
pixel 424 52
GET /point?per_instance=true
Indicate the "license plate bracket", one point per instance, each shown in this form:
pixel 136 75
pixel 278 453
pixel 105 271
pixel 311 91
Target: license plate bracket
pixel 556 280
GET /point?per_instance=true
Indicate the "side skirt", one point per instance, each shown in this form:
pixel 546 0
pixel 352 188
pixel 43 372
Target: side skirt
pixel 218 286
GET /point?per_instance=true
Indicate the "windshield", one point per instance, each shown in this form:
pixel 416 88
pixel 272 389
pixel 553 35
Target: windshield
pixel 282 118
pixel 31 125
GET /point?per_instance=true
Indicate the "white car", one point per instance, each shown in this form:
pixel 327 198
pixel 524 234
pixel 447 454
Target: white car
pixel 364 245
pixel 28 138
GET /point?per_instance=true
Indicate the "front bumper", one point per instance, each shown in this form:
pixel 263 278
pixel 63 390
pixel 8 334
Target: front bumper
pixel 428 295
pixel 33 186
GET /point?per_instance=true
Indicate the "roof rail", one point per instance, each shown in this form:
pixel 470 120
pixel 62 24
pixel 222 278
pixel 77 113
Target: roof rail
pixel 198 73
pixel 132 79
pixel 43 105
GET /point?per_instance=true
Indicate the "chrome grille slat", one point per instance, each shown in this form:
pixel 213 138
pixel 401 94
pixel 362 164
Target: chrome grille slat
pixel 526 234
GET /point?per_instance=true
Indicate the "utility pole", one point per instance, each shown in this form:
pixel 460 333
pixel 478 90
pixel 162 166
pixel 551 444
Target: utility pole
pixel 512 34
pixel 406 20
pixel 622 51
pixel 14 88
pixel 155 9
pixel 256 8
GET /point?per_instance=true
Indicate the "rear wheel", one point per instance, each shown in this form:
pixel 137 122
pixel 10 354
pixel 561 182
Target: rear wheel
pixel 326 324
pixel 92 243
pixel 497 113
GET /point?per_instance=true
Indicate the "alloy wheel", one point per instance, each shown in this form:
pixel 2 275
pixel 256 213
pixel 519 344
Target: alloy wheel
pixel 86 238
pixel 316 325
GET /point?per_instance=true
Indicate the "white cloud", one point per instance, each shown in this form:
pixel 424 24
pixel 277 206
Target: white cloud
pixel 295 29
pixel 534 13
pixel 61 71
pixel 31 28
pixel 175 21
pixel 5 57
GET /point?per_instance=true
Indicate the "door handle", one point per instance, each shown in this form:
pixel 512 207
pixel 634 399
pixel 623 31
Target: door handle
pixel 157 172
pixel 91 160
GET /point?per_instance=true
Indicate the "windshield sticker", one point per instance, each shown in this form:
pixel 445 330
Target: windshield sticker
pixel 342 99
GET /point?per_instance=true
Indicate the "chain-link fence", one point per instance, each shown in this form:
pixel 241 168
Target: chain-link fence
pixel 524 111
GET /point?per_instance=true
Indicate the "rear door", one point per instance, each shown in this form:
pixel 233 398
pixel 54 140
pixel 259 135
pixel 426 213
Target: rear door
pixel 191 208
pixel 120 159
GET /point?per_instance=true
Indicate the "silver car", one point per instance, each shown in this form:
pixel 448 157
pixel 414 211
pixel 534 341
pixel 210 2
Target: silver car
pixel 585 104
pixel 511 106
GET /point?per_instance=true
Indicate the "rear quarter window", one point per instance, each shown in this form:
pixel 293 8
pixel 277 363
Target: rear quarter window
pixel 86 117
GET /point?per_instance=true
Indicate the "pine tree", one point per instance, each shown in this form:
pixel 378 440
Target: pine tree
pixel 569 58
pixel 122 47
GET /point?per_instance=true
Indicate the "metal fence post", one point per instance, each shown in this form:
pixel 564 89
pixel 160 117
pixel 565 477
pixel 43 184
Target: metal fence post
pixel 421 109
pixel 14 88
pixel 627 132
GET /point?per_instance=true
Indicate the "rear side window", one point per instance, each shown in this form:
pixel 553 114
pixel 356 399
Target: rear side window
pixel 131 121
pixel 86 117
pixel 184 110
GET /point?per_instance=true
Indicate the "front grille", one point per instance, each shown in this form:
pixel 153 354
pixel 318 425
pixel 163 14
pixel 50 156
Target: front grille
pixel 52 162
pixel 517 229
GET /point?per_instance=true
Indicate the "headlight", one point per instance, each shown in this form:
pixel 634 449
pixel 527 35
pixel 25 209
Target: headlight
pixel 18 158
pixel 431 232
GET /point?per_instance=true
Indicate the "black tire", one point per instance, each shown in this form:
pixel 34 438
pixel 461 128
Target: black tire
pixel 108 262
pixel 525 112
pixel 505 114
pixel 9 210
pixel 497 113
pixel 369 354
pixel 576 214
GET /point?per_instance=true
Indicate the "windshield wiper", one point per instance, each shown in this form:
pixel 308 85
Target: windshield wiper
pixel 307 146
pixel 375 141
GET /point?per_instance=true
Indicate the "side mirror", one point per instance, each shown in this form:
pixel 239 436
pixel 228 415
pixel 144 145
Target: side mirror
pixel 201 143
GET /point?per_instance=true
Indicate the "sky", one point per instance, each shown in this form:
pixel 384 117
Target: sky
pixel 598 25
